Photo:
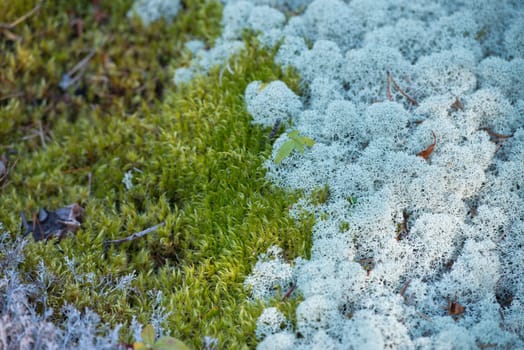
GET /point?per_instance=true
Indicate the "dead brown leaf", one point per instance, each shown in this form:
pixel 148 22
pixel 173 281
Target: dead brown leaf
pixel 48 224
pixel 457 105
pixel 427 152
pixel 454 309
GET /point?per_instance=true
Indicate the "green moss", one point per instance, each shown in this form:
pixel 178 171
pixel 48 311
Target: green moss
pixel 481 34
pixel 288 306
pixel 344 226
pixel 320 195
pixel 128 73
pixel 196 162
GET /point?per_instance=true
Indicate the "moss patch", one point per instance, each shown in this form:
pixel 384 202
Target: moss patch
pixel 193 158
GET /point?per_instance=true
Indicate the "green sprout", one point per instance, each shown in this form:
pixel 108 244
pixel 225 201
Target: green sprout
pixel 164 343
pixel 295 141
pixel 352 200
pixel 320 195
pixel 344 226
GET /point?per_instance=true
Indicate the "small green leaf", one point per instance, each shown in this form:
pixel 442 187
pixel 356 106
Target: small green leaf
pixel 352 200
pixel 148 334
pixel 293 135
pixel 296 142
pixel 285 150
pixel 169 343
pixel 139 346
pixel 307 141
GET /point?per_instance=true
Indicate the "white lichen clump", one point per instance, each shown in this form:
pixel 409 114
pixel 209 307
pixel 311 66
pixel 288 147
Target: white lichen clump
pixel 152 10
pixel 382 81
pixel 271 321
pixel 127 180
pixel 23 327
pixel 270 275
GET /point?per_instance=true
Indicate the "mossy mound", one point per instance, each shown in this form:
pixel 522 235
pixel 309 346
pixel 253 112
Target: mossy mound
pixel 192 158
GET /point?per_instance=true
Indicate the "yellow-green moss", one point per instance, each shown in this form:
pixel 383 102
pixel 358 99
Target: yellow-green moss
pixel 320 195
pixel 195 158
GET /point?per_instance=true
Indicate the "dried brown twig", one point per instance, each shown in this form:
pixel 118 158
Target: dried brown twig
pixel 5 28
pixel 21 19
pixel 288 293
pixel 390 81
pixel 135 235
pixel 388 90
pixel 70 78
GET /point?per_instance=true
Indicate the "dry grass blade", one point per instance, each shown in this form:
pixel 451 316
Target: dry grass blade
pixel 21 19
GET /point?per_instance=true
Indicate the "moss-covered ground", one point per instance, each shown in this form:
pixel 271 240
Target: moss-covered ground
pixel 195 159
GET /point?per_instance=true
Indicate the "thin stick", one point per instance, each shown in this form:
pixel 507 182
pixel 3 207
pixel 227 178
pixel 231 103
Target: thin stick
pixel 82 62
pixel 395 85
pixel 14 94
pixel 425 317
pixel 288 293
pixel 135 235
pixel 496 135
pixel 21 19
pixel 388 91
pixel 404 288
pixel 75 170
pixel 41 134
pixel 68 79
pixel 32 136
pixel 274 130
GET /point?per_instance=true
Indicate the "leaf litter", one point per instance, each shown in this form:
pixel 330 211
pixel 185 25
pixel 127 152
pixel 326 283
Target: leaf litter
pixel 48 224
